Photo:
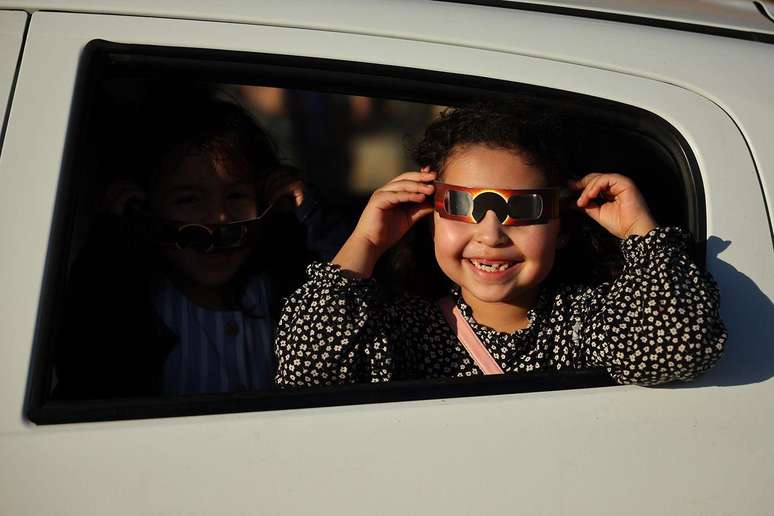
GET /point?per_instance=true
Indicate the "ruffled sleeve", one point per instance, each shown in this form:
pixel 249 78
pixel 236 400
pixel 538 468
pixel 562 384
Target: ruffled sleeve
pixel 330 332
pixel 659 320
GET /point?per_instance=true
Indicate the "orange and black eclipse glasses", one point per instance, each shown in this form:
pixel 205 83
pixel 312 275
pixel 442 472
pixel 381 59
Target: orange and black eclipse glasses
pixel 512 207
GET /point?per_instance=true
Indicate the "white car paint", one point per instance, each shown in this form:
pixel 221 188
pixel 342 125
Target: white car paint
pixel 701 449
pixel 12 26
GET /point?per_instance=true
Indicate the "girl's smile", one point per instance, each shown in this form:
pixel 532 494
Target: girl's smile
pixel 491 269
pixel 497 267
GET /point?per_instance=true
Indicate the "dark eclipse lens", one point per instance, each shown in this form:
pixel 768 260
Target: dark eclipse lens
pixel 525 207
pixel 520 207
pixel 196 237
pixel 231 236
pixel 489 201
pixel 457 203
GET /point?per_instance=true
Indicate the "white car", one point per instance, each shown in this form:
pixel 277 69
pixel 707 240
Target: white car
pixel 689 86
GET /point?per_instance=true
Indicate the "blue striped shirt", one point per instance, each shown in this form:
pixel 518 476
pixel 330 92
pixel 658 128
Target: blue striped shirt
pixel 218 350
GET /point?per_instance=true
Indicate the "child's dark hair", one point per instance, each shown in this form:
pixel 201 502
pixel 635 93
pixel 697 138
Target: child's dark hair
pixel 535 134
pixel 544 138
pixel 194 121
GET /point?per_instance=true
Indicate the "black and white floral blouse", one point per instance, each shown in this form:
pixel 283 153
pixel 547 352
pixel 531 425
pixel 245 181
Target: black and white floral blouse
pixel 657 322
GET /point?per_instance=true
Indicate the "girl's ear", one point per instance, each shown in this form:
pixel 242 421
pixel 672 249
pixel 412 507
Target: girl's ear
pixel 120 194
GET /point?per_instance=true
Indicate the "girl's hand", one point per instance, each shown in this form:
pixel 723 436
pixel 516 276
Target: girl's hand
pixel 394 208
pixel 623 211
pixel 285 183
pixel 389 214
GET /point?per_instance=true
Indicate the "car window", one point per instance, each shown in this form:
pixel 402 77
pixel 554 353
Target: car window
pixel 341 128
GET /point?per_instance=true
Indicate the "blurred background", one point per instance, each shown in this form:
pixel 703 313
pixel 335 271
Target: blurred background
pixel 345 145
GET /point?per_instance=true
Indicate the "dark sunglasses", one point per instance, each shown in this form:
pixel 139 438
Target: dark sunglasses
pixel 204 238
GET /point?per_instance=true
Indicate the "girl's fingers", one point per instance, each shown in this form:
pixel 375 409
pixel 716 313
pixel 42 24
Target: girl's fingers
pixel 593 211
pixel 408 186
pixel 626 214
pixel 591 190
pixel 581 183
pixel 420 211
pixel 608 186
pixel 424 176
pixel 386 200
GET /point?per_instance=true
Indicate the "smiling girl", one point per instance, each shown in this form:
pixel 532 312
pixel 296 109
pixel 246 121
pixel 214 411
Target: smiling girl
pixel 491 180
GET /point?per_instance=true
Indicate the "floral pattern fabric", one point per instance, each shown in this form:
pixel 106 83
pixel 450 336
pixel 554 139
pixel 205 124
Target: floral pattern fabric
pixel 655 323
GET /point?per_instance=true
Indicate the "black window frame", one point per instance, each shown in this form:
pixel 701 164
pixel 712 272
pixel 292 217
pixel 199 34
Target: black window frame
pixel 326 75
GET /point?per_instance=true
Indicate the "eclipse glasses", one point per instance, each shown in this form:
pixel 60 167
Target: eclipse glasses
pixel 511 207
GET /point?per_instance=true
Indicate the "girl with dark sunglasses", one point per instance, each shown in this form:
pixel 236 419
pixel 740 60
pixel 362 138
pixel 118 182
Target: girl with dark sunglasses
pixel 177 289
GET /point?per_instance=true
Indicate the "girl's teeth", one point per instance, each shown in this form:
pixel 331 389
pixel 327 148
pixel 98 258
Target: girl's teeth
pixel 490 267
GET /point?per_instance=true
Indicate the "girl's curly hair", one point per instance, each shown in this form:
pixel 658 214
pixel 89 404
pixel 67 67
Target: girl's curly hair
pixel 537 134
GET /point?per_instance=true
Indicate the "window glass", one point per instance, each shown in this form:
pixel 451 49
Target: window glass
pixel 175 151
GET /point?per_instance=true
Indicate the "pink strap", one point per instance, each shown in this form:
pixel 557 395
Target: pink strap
pixel 468 338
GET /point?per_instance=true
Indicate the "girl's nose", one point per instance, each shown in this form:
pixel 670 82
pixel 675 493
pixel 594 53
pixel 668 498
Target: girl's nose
pixel 490 232
pixel 217 213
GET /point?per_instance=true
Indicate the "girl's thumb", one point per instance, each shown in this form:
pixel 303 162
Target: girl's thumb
pixel 593 211
pixel 418 212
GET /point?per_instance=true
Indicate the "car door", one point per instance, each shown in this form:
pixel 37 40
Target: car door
pixel 700 449
pixel 12 27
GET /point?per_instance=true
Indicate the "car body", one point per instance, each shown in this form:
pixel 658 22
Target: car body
pixel 707 68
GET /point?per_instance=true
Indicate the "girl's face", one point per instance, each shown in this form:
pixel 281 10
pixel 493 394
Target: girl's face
pixel 490 262
pixel 198 188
